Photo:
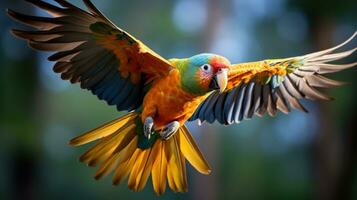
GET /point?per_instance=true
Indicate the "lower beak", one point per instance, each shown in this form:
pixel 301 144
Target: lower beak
pixel 220 80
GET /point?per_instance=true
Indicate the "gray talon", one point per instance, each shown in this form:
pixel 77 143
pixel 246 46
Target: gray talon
pixel 170 130
pixel 148 127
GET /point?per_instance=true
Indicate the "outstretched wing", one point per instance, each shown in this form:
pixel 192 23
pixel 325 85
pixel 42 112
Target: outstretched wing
pixel 91 50
pixel 272 85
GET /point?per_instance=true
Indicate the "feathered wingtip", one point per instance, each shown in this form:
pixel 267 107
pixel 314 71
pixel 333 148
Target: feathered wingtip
pixel 319 62
pixel 117 151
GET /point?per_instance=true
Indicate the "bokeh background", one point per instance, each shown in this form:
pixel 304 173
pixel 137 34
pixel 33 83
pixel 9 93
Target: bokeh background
pixel 295 156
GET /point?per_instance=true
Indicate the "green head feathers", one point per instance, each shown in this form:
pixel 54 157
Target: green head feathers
pixel 198 72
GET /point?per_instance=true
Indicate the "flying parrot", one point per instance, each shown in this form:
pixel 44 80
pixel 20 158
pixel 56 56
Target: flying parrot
pixel 160 94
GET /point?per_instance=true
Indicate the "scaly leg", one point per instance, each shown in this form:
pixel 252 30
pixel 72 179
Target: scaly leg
pixel 169 130
pixel 148 127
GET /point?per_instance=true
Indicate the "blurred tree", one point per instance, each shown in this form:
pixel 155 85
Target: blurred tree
pixel 19 92
pixel 334 151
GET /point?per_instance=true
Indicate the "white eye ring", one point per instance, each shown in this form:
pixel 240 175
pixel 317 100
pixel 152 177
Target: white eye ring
pixel 206 67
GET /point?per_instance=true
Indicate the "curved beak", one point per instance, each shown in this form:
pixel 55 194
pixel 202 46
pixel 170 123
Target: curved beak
pixel 220 80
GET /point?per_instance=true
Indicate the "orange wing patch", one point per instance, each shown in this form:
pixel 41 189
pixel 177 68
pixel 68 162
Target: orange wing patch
pixel 125 53
pixel 260 71
pixel 135 58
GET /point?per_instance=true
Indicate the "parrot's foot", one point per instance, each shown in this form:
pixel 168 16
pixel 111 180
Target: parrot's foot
pixel 148 127
pixel 169 130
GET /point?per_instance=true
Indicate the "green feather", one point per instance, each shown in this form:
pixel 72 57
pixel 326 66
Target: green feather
pixel 189 81
pixel 101 28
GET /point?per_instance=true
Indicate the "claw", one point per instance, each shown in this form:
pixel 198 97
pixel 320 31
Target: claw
pixel 170 130
pixel 148 127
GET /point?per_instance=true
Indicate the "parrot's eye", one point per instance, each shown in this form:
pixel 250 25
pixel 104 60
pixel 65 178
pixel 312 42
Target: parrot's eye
pixel 206 67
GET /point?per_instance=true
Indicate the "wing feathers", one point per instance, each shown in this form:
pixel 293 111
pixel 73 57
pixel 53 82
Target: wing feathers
pixel 322 82
pixel 317 54
pixel 89 48
pixel 275 85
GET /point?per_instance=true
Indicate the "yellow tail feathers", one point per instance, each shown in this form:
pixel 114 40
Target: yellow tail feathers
pixel 117 151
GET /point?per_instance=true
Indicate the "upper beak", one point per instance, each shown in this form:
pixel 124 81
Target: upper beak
pixel 220 80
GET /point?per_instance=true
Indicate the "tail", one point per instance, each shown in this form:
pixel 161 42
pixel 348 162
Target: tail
pixel 117 151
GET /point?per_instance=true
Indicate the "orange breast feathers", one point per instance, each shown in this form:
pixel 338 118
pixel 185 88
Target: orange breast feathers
pixel 166 101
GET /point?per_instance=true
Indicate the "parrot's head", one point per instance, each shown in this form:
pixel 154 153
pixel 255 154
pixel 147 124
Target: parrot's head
pixel 204 73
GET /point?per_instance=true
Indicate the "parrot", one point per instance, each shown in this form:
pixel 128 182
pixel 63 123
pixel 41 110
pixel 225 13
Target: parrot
pixel 159 95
